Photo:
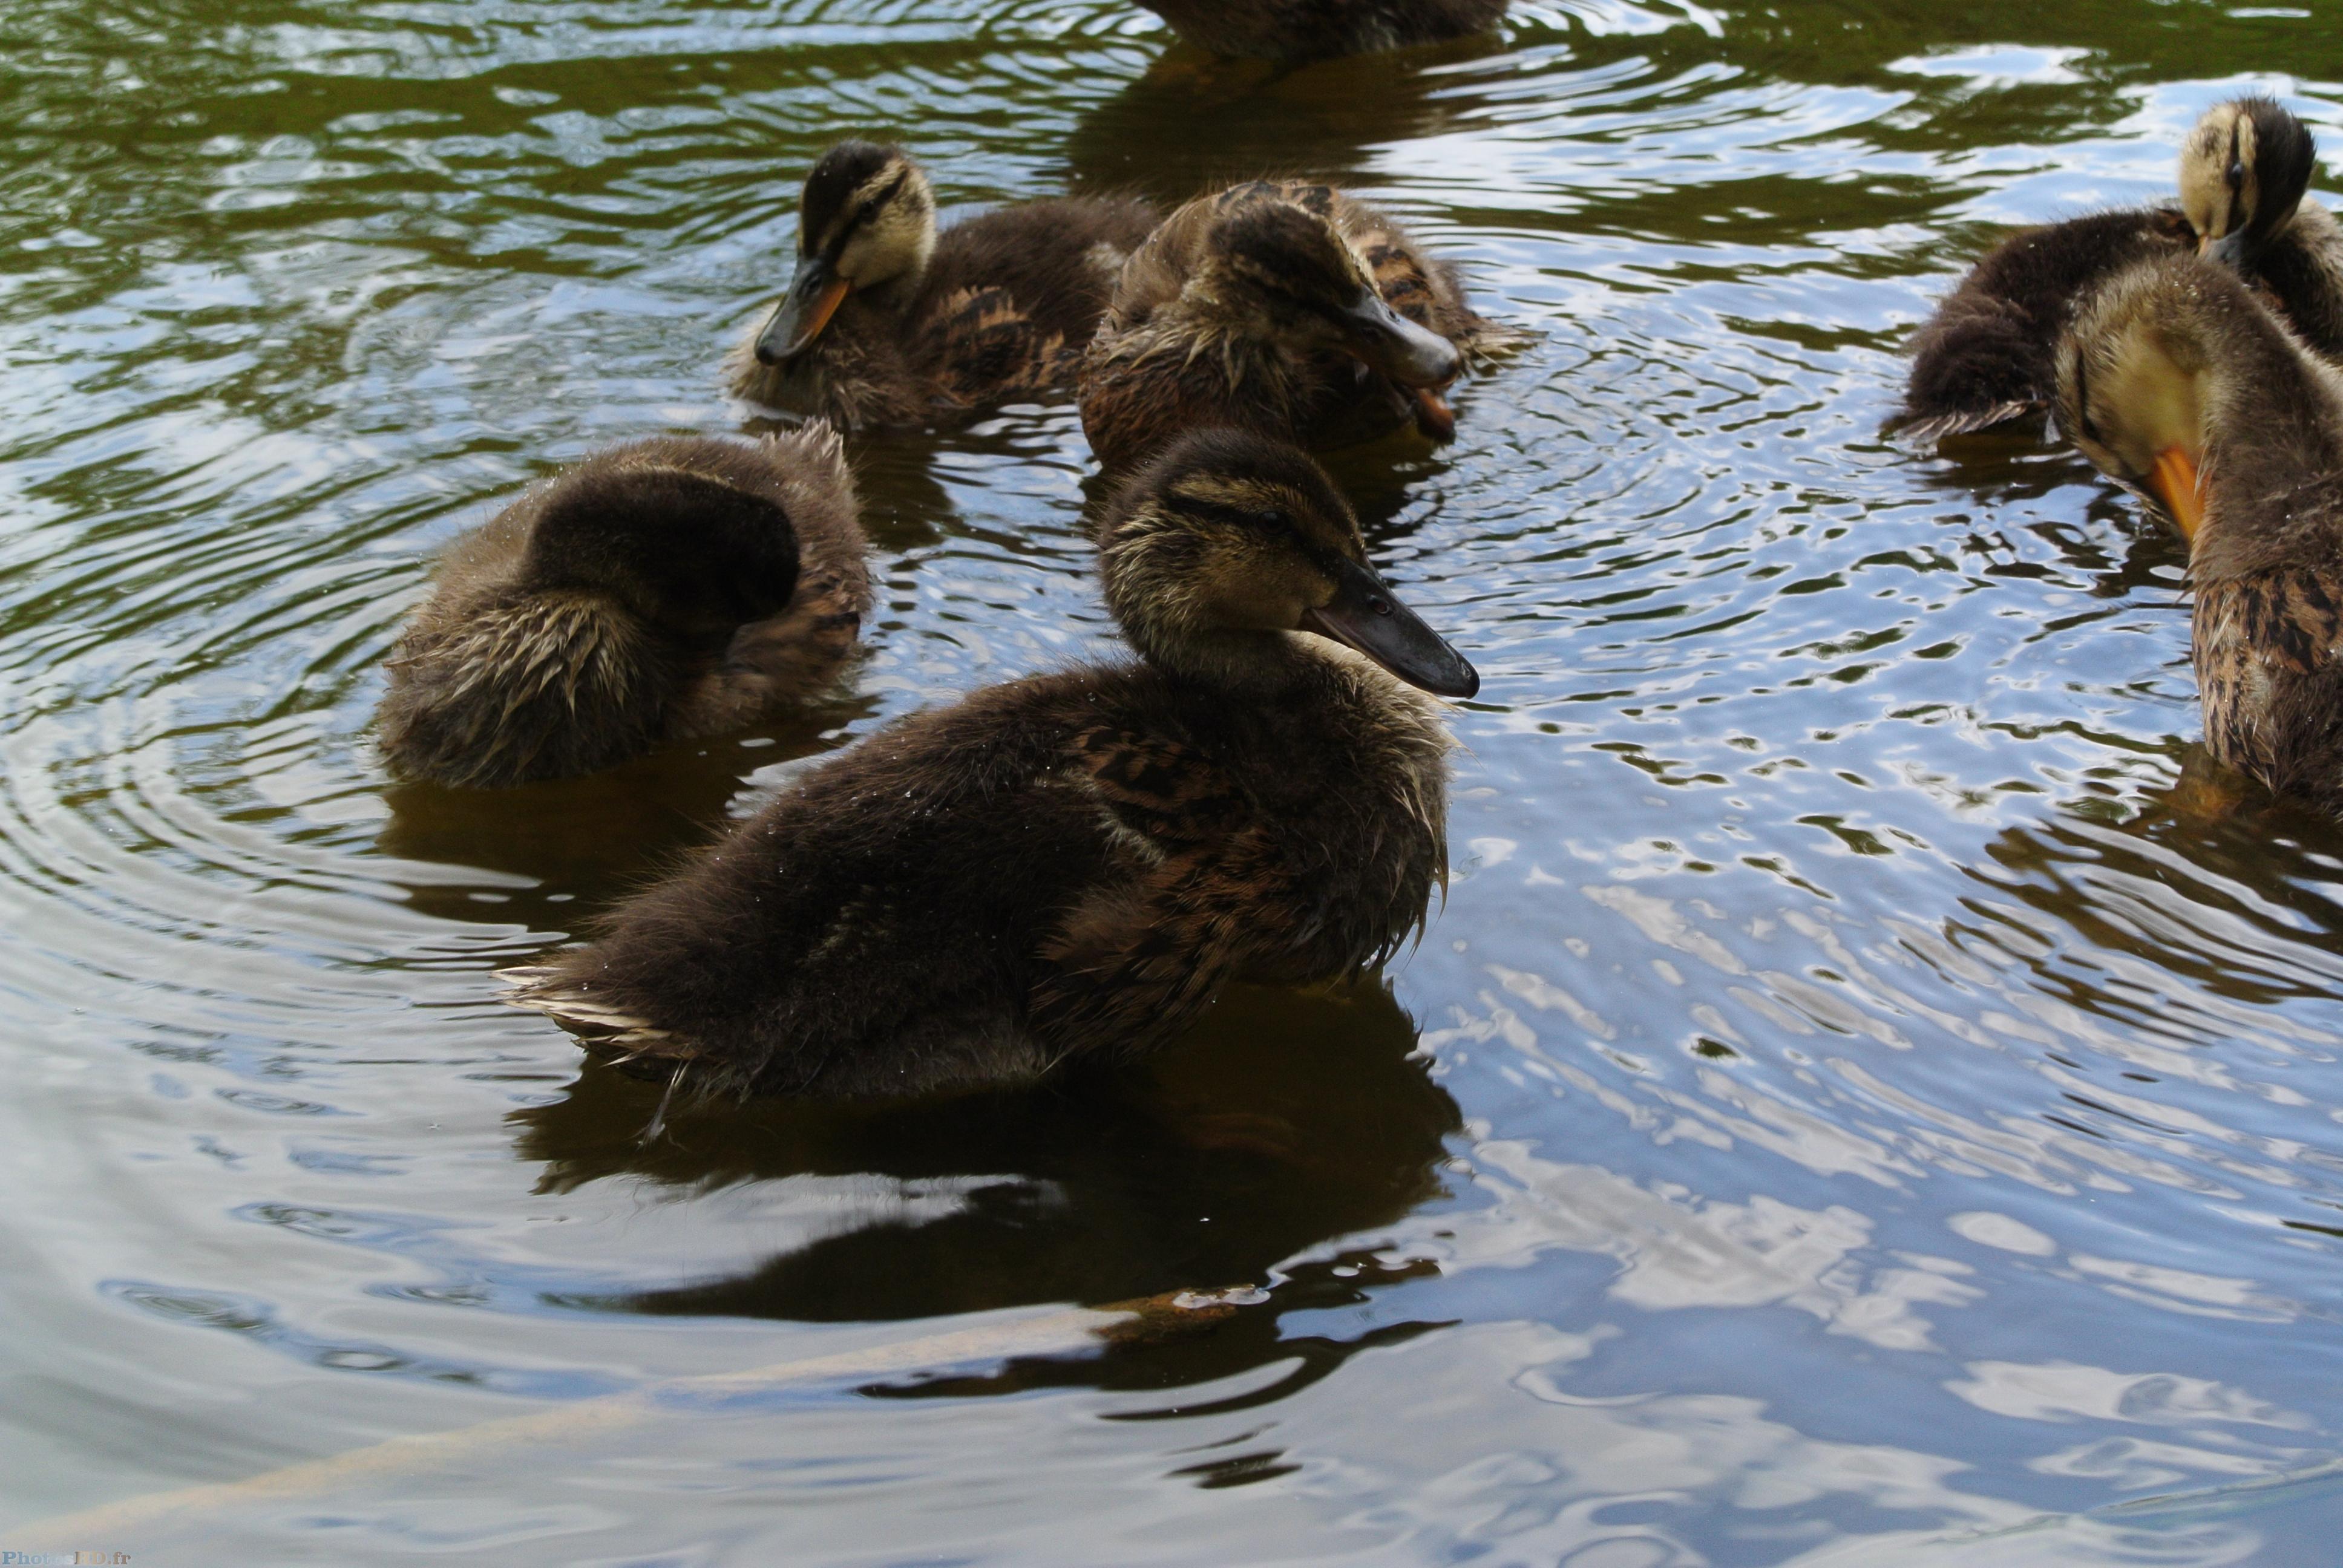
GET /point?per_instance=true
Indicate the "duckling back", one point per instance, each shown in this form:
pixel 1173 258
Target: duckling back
pixel 661 590
pixel 1987 355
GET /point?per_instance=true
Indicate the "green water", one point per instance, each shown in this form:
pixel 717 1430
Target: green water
pixel 1845 1111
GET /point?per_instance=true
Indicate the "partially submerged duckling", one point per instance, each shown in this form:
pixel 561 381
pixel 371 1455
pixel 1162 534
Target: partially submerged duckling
pixel 1278 307
pixel 1071 865
pixel 2177 382
pixel 1297 30
pixel 666 588
pixel 1987 354
pixel 888 323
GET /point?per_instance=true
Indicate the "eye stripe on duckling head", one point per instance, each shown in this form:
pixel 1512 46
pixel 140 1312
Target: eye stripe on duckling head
pixel 832 201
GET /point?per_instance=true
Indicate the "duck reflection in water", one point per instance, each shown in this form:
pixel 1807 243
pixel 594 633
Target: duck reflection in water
pixel 1286 1120
pixel 1326 120
pixel 552 849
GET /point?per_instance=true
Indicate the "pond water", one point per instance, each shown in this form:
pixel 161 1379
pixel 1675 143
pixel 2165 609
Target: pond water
pixel 1854 1106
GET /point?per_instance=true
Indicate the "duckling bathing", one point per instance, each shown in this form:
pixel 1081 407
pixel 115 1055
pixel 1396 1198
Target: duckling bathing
pixel 2177 383
pixel 1069 866
pixel 885 322
pixel 1987 355
pixel 663 589
pixel 1282 308
pixel 1296 30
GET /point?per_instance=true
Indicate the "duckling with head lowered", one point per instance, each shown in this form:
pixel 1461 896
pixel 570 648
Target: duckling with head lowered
pixel 887 322
pixel 1282 308
pixel 663 589
pixel 2177 382
pixel 1070 865
pixel 1987 354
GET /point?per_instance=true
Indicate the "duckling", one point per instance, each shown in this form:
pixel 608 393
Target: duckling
pixel 2177 382
pixel 2243 175
pixel 1987 355
pixel 662 589
pixel 1071 865
pixel 888 323
pixel 1282 308
pixel 1298 30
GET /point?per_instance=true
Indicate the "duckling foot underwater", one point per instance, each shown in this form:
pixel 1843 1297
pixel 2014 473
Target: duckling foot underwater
pixel 1073 865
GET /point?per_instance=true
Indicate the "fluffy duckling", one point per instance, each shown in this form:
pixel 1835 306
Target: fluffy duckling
pixel 1070 865
pixel 666 588
pixel 1297 30
pixel 888 323
pixel 2243 171
pixel 2177 382
pixel 1282 308
pixel 1987 355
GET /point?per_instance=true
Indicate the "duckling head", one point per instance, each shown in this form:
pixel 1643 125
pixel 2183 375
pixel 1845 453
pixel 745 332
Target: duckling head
pixel 867 225
pixel 2243 171
pixel 682 550
pixel 2140 378
pixel 1286 271
pixel 1232 558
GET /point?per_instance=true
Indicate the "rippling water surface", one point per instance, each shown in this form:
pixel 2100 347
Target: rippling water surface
pixel 1857 1105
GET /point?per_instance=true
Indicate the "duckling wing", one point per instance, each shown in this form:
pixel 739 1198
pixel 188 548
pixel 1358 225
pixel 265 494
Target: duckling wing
pixel 987 348
pixel 1137 955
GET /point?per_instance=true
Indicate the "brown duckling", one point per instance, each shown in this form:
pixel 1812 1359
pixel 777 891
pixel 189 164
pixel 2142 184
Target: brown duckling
pixel 2176 381
pixel 667 589
pixel 1070 865
pixel 1297 30
pixel 1987 355
pixel 1282 308
pixel 887 322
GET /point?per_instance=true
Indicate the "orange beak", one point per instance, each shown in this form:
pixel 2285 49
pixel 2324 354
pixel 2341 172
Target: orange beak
pixel 1433 416
pixel 2174 478
pixel 813 296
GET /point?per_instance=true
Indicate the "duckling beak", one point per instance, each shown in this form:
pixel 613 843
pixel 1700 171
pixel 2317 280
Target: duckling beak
pixel 1409 355
pixel 2229 250
pixel 1364 615
pixel 813 294
pixel 2174 479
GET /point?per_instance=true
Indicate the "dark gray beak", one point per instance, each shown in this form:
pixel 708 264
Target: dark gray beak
pixel 1365 616
pixel 813 294
pixel 1390 343
pixel 2229 250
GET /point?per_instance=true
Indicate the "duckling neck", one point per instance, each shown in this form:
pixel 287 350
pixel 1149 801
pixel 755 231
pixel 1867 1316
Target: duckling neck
pixel 2271 422
pixel 1252 666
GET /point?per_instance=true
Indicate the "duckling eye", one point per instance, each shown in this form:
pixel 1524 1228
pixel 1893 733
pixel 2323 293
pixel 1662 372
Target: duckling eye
pixel 1380 605
pixel 2236 174
pixel 1276 517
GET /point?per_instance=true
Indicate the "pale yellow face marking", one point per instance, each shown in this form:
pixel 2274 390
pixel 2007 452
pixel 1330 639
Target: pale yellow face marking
pixel 2213 209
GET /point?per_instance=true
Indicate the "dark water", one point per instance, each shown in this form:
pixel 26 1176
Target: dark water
pixel 1851 1107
